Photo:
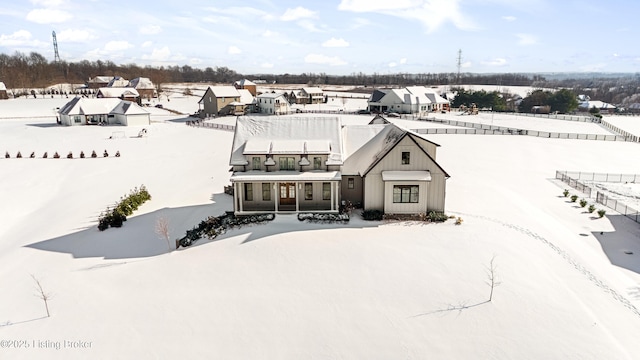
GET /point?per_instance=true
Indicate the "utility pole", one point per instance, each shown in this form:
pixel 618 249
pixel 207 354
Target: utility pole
pixel 56 58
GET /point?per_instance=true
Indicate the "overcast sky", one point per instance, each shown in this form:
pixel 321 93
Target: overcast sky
pixel 334 36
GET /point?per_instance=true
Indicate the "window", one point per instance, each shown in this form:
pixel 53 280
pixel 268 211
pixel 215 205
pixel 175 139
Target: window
pixel 406 158
pixel 326 191
pixel 248 192
pixel 350 183
pixel 317 163
pixel 287 163
pixel 308 191
pixel 256 162
pixel 405 193
pixel 266 191
pixel 77 119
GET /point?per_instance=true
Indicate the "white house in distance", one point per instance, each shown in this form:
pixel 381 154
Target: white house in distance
pixel 314 164
pixel 410 100
pixel 273 104
pixel 122 93
pixel 3 91
pixel 105 111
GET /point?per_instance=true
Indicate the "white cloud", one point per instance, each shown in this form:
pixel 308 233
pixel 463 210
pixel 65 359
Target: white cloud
pixel 147 44
pixel 431 13
pixel 266 65
pixel 161 54
pixel 323 59
pixel 75 35
pixel 509 18
pixel 117 45
pixel 308 25
pixel 403 61
pixel 466 64
pixel 333 42
pixel 150 29
pixel 297 14
pixel 234 50
pixel 48 16
pixel 20 37
pixel 393 64
pixel 526 39
pixel 359 22
pixel 496 62
pixel 269 33
pixel 47 3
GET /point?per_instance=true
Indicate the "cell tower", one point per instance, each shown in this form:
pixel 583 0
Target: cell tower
pixel 459 66
pixel 55 48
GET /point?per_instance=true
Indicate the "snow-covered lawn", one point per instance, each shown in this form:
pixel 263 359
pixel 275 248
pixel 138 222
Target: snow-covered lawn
pixel 290 289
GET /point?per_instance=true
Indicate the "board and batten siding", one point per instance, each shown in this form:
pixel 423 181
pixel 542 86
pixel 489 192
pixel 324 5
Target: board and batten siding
pixel 374 197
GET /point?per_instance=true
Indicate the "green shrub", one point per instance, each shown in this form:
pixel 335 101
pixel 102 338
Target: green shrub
pixel 574 198
pixel 591 208
pixel 373 215
pixel 125 207
pixel 583 202
pixel 437 216
pixel 601 212
pixel 565 193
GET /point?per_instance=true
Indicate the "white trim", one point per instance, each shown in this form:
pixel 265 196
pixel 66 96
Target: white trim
pixel 406 176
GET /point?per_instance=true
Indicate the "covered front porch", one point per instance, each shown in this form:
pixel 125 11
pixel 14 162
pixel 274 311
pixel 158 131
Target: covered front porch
pixel 286 191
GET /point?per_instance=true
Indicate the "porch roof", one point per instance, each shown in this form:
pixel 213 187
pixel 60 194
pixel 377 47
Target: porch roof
pixel 286 176
pixel 406 176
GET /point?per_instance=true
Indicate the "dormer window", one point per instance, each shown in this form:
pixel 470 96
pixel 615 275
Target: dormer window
pixel 256 163
pixel 317 163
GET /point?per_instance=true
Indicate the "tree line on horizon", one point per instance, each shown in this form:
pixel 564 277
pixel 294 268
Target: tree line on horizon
pixel 33 70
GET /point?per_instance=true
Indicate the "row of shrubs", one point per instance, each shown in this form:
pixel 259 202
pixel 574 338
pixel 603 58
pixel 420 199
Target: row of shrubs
pixel 324 218
pixel 57 156
pixel 583 203
pixel 218 225
pixel 378 215
pixel 126 206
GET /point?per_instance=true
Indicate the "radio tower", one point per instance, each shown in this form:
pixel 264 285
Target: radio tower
pixel 459 65
pixel 55 48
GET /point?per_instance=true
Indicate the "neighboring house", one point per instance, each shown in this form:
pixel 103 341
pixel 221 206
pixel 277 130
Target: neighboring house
pixel 107 111
pixel 144 86
pixel 315 164
pixel 122 93
pixel 220 100
pixel 99 81
pixel 246 85
pixel 310 95
pixel 604 107
pixel 248 100
pixel 3 91
pixel 410 100
pixel 634 108
pixel 118 81
pixel 273 104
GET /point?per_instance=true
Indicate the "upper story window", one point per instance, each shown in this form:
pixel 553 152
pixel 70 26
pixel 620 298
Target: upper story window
pixel 406 158
pixel 287 163
pixel 256 163
pixel 317 163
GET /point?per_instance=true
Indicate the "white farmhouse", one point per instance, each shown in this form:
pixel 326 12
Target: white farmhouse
pixel 273 104
pixel 410 100
pixel 102 111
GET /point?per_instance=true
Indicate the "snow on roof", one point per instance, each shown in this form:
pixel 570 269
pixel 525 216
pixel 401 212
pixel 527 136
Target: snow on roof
pixel 312 90
pixel 128 108
pixel 417 175
pixel 287 135
pixel 116 92
pixel 118 81
pixel 141 83
pixel 101 79
pixel 597 104
pixel 2 86
pixel 270 95
pixel 244 82
pixel 224 91
pixel 246 97
pixel 85 106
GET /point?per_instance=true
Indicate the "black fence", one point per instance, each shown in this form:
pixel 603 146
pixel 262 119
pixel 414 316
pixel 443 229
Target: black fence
pixel 208 125
pixel 573 182
pixel 601 177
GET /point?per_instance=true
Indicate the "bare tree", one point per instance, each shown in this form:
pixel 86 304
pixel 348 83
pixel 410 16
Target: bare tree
pixel 163 230
pixel 41 294
pixel 492 276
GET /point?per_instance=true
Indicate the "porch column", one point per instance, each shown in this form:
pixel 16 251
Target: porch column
pixel 277 197
pixel 337 195
pixel 297 202
pixel 239 192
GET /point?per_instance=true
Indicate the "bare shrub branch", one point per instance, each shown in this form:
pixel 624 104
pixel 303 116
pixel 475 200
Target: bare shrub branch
pixel 41 294
pixel 163 230
pixel 492 276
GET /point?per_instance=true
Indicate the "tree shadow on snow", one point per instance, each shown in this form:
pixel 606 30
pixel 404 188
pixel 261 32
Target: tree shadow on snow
pixel 622 246
pixel 137 237
pixel 45 125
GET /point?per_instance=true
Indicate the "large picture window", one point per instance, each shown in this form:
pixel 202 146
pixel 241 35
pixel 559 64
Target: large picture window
pixel 248 192
pixel 308 191
pixel 287 163
pixel 405 193
pixel 326 191
pixel 266 191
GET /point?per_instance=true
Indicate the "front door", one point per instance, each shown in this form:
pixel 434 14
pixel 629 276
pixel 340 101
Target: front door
pixel 287 194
